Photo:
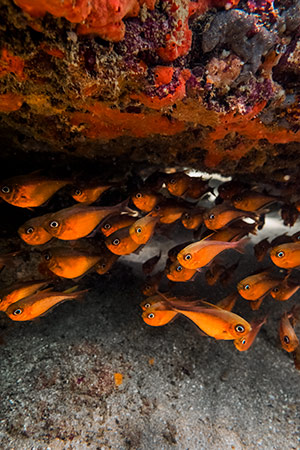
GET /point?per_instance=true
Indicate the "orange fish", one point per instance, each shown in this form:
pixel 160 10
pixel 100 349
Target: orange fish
pixel 286 256
pixel 146 200
pixel 149 265
pixel 178 183
pixel 173 252
pixel 198 187
pixel 288 338
pixel 258 285
pixel 285 290
pixel 193 219
pixel 215 322
pixel 142 230
pixel 89 194
pixel 261 249
pixel 245 342
pixel 176 272
pixel 170 210
pixel 253 201
pixel 33 233
pixel 157 318
pixel 221 215
pixel 69 263
pixel 78 221
pixel 114 223
pixel 150 302
pixel 121 243
pixel 38 304
pixel 17 291
pixel 29 191
pixel 228 302
pixel 107 260
pixel 200 253
pixel 152 283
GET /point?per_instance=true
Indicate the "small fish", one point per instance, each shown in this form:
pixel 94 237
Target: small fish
pixel 230 188
pixel 214 321
pixel 193 219
pixel 33 233
pixel 228 302
pixel 38 304
pixel 157 318
pixel 231 233
pixel 285 290
pixel 170 210
pixel 286 256
pixel 142 230
pixel 107 260
pixel 148 266
pixel 200 253
pixel 89 194
pixel 253 201
pixel 245 342
pixel 79 220
pixel 116 222
pixel 17 291
pixel 121 243
pixel 69 263
pixel 146 200
pixel 258 285
pixel 261 249
pixel 178 183
pixel 176 272
pixel 221 215
pixel 29 191
pixel 152 283
pixel 198 187
pixel 287 335
pixel 150 302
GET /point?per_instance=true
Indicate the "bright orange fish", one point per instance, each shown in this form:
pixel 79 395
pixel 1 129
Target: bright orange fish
pixel 89 194
pixel 19 290
pixel 178 183
pixel 200 253
pixel 258 285
pixel 121 243
pixel 285 290
pixel 221 215
pixel 176 272
pixel 146 200
pixel 114 223
pixel 38 304
pixel 245 342
pixel 79 220
pixel 169 210
pixel 148 266
pixel 69 263
pixel 286 256
pixel 157 318
pixel 30 191
pixel 215 322
pixel 253 201
pixel 288 338
pixel 193 219
pixel 33 233
pixel 107 260
pixel 142 230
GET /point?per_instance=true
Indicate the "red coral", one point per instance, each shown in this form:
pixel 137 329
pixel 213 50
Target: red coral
pixel 11 64
pixel 10 102
pixel 102 122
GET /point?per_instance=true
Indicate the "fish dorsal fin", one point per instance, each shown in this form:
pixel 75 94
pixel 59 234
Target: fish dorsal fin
pixel 206 237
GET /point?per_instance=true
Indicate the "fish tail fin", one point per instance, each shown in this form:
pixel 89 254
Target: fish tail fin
pixel 241 244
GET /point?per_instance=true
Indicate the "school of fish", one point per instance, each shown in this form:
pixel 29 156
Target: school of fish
pixel 88 237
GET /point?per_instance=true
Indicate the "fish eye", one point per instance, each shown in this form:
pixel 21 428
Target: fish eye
pixel 138 195
pixel 29 230
pixel 116 241
pixel 47 256
pixel 187 257
pixel 186 216
pixel 212 216
pixel 147 305
pixel 54 224
pixel 276 289
pixel 172 181
pixel 286 339
pixel 238 198
pixel 78 192
pixel 246 287
pixel 243 342
pixel 17 312
pixel 179 268
pixel 239 328
pixel 138 230
pixel 107 226
pixel 151 316
pixel 5 190
pixel 280 254
pixel 157 208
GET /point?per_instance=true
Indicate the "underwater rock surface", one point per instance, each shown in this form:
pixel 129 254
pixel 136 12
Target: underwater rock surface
pixel 209 84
